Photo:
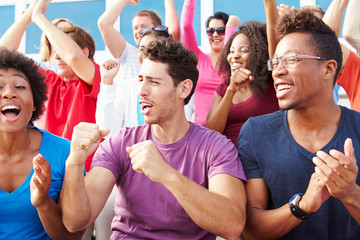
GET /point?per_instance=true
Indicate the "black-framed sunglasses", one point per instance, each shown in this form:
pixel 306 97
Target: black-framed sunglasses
pixel 220 31
pixel 156 28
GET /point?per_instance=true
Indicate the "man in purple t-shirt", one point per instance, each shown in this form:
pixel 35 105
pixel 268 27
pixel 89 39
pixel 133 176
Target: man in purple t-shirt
pixel 175 179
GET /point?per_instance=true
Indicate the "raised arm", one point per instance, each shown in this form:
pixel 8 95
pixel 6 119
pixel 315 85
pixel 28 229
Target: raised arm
pixel 12 37
pixel 108 103
pixel 172 19
pixel 333 15
pixel 351 24
pixel 64 45
pixel 219 111
pixel 272 17
pixel 49 212
pixel 82 198
pixel 187 30
pixel 231 26
pixel 113 39
pixel 332 18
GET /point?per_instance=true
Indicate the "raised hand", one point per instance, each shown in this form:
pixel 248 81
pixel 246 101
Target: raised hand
pixel 85 139
pixel 40 181
pixel 338 171
pixel 233 21
pixel 284 9
pixel 40 9
pixel 145 158
pixel 240 78
pixel 133 2
pixel 108 71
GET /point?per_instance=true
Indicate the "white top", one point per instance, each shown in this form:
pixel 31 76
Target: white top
pixel 116 104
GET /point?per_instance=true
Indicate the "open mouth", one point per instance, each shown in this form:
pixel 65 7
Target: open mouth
pixel 10 111
pixel 145 108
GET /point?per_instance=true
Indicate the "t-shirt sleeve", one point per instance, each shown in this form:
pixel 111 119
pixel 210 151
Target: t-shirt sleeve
pixel 112 154
pixel 106 157
pixel 349 79
pixel 221 89
pixel 246 152
pixel 225 159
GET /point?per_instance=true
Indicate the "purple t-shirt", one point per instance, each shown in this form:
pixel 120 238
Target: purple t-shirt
pixel 146 209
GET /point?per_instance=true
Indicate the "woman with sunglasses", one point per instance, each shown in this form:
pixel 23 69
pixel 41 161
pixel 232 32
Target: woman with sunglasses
pixel 247 90
pixel 209 78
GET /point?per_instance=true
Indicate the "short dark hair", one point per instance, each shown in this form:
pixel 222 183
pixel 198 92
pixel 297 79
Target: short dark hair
pixel 322 38
pixel 13 59
pixel 181 62
pixel 155 17
pixel 218 15
pixel 82 38
pixel 256 32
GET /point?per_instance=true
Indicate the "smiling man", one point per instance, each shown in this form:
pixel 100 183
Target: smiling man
pixel 174 179
pixel 300 162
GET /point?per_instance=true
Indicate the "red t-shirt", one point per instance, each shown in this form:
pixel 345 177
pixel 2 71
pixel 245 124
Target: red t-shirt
pixel 252 107
pixel 69 103
pixel 350 80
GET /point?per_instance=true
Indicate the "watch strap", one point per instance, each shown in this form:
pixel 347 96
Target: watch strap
pixel 296 210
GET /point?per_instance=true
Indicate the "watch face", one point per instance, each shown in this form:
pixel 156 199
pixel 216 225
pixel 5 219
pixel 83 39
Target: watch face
pixel 295 199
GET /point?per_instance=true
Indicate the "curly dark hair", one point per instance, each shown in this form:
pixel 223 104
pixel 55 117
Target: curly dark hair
pixel 218 15
pixel 82 38
pixel 18 61
pixel 256 32
pixel 322 38
pixel 181 62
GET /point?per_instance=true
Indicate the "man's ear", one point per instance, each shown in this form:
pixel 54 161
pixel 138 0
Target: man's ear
pixel 330 69
pixel 86 51
pixel 184 88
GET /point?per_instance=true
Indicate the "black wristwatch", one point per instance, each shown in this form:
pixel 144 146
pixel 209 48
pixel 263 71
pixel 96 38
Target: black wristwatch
pixel 296 210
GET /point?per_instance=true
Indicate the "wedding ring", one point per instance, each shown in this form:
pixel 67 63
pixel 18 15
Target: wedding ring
pixel 318 179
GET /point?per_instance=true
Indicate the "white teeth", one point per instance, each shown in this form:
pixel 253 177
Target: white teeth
pixel 235 65
pixel 145 105
pixel 9 107
pixel 283 87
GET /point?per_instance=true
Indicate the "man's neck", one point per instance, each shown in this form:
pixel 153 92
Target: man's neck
pixel 314 128
pixel 171 131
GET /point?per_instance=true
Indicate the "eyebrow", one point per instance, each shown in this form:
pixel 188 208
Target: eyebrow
pixel 286 52
pixel 19 75
pixel 150 77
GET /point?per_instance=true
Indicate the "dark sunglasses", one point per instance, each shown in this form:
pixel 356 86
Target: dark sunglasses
pixel 157 28
pixel 211 31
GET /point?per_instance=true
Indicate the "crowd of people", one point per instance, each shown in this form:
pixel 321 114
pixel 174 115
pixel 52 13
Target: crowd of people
pixel 165 141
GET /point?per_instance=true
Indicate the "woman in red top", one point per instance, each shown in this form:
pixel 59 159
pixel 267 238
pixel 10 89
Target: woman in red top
pixel 247 90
